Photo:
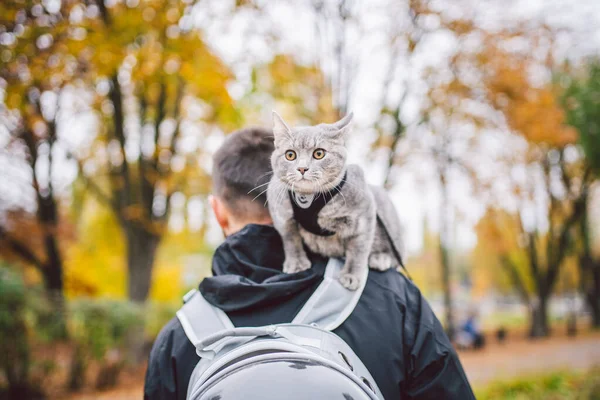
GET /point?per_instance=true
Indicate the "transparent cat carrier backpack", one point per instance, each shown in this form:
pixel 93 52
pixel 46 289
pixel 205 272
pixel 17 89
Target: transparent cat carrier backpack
pixel 299 360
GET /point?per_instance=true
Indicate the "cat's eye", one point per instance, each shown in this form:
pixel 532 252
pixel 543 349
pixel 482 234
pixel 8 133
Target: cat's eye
pixel 290 155
pixel 319 153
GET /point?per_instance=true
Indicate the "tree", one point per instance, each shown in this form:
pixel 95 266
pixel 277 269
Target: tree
pixel 152 84
pixel 34 72
pixel 155 83
pixel 581 102
pixel 438 124
pixel 533 113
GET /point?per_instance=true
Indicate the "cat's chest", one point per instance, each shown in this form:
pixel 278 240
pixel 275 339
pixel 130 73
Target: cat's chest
pixel 318 214
pixel 329 246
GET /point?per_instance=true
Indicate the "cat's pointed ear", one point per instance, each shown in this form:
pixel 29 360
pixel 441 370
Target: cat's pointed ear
pixel 280 129
pixel 344 126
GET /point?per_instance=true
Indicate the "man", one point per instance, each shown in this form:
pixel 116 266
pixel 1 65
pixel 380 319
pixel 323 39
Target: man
pixel 392 329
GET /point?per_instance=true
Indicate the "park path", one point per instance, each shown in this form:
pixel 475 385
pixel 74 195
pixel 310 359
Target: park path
pixel 525 358
pixel 518 357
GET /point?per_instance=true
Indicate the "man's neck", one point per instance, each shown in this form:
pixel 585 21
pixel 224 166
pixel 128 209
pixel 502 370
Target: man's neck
pixel 237 226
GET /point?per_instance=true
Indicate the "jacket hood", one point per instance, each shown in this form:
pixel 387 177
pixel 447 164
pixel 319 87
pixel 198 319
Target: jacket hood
pixel 247 271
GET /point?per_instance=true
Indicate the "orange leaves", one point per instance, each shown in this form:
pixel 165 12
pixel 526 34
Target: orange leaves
pixel 531 110
pixel 460 26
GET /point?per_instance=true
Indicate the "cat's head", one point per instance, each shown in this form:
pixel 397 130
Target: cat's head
pixel 310 159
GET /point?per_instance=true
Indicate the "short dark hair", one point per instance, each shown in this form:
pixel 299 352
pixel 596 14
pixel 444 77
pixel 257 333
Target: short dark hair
pixel 240 166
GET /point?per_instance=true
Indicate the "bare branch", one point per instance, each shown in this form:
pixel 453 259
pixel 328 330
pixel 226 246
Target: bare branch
pixel 96 190
pixel 20 249
pixel 116 98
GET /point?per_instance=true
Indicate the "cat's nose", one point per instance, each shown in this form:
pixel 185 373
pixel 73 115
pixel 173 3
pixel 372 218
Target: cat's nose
pixel 302 170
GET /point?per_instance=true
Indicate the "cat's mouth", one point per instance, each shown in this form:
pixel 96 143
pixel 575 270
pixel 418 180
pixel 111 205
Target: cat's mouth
pixel 304 185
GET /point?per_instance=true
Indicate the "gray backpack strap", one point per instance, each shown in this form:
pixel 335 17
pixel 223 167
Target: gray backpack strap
pixel 331 303
pixel 328 307
pixel 201 319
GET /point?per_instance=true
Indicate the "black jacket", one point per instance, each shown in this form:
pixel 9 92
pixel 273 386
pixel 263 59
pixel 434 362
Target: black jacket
pixel 392 329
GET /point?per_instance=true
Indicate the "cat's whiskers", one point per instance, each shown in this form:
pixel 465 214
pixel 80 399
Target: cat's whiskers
pixel 259 186
pixel 258 195
pixel 265 174
pixel 281 194
pixel 330 194
pixel 343 197
pixel 278 194
pixel 282 185
pixel 292 189
pixel 333 194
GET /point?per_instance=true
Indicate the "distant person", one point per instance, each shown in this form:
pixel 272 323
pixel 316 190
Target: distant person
pixel 392 328
pixel 470 335
pixel 501 334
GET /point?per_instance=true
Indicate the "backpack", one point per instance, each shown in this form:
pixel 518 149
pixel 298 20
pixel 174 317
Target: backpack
pixel 224 348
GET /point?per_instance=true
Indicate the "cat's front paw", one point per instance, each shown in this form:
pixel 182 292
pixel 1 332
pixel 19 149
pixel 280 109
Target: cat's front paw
pixel 293 265
pixel 349 281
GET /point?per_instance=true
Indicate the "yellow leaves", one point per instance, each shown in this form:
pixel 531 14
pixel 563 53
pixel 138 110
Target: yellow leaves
pixel 460 26
pixel 167 282
pixel 95 265
pixel 285 70
pixel 299 91
pixel 419 7
pixel 498 237
pixel 384 141
pixel 14 100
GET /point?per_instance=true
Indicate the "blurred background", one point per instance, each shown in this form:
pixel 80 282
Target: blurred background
pixel 481 118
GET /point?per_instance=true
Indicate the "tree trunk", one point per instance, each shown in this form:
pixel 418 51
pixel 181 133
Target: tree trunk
pixel 52 272
pixel 449 310
pixel 53 268
pixel 593 295
pixel 445 259
pixel 594 303
pixel 589 269
pixel 539 317
pixel 141 251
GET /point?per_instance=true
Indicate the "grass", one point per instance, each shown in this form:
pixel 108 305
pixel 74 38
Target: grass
pixel 556 386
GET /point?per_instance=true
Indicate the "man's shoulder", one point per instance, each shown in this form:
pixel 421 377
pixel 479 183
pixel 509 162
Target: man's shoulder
pixel 171 362
pixel 170 327
pixel 171 335
pixel 171 344
pixel 392 291
pixel 394 283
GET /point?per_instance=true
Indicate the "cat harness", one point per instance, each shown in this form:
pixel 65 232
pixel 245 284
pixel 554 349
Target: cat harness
pixel 307 208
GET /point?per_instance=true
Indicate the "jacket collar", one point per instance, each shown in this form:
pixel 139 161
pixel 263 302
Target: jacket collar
pixel 247 271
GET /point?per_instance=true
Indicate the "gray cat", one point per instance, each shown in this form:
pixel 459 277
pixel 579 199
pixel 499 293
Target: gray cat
pixel 315 198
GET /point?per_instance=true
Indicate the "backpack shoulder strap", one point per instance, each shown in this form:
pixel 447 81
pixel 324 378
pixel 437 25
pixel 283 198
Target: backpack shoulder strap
pixel 331 304
pixel 328 307
pixel 201 319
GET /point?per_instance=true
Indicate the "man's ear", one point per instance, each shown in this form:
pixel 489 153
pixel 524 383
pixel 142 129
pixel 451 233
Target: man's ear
pixel 280 129
pixel 221 212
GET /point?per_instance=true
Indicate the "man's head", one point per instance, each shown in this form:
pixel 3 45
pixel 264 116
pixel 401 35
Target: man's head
pixel 241 171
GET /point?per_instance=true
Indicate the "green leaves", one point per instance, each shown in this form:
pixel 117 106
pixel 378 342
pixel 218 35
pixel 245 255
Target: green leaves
pixel 581 102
